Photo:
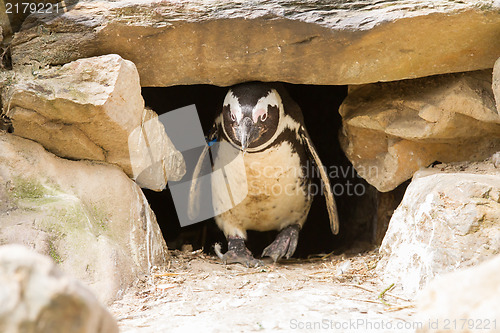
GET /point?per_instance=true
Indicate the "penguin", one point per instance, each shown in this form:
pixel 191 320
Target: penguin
pixel 6 124
pixel 262 123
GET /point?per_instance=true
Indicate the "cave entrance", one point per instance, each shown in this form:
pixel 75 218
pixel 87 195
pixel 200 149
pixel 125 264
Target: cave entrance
pixel 358 203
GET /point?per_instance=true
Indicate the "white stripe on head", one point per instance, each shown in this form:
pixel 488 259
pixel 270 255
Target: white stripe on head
pixel 234 105
pixel 261 108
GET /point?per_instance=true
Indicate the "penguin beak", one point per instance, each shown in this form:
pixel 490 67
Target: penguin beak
pixel 247 132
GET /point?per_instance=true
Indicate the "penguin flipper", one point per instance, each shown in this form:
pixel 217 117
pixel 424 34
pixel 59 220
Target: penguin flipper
pixel 330 200
pixel 194 191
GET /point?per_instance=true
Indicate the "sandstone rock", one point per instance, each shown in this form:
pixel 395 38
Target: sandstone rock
pixel 88 109
pixel 447 220
pixel 468 300
pixel 390 130
pixel 88 216
pixel 5 26
pixel 496 83
pixel 308 42
pixel 36 297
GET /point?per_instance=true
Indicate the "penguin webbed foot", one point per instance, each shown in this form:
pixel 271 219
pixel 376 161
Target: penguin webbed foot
pixel 237 253
pixel 284 245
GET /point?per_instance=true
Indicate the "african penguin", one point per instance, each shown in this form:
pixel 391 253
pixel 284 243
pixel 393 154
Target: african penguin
pixel 266 126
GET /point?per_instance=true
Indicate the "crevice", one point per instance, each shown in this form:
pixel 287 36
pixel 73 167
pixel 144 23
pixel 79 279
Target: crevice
pixel 357 210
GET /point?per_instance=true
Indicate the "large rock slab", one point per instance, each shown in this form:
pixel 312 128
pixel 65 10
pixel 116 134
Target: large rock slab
pixel 308 42
pixel 37 297
pixel 390 130
pixel 464 301
pixel 448 219
pixel 93 109
pixel 88 216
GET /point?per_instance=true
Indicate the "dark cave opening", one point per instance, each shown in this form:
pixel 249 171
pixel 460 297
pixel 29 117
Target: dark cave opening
pixel 356 199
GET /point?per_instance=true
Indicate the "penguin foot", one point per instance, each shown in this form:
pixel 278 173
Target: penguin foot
pixel 238 253
pixel 284 245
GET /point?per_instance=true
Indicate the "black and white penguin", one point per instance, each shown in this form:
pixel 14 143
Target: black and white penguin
pixel 266 126
pixel 6 124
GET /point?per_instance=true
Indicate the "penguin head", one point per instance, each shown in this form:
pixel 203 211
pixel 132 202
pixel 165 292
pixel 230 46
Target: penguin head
pixel 251 114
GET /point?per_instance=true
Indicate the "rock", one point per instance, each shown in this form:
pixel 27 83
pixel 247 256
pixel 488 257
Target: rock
pixel 390 130
pixel 5 26
pixel 386 204
pixel 467 300
pixel 306 42
pixel 496 159
pixel 88 216
pixel 496 83
pixel 447 220
pixel 36 297
pixel 93 109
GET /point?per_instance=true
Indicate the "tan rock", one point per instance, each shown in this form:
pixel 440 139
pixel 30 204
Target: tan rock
pixel 88 216
pixel 464 301
pixel 223 43
pixel 5 25
pixel 37 297
pixel 390 130
pixel 496 159
pixel 447 220
pixel 88 109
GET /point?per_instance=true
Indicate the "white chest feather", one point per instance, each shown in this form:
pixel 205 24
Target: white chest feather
pixel 267 192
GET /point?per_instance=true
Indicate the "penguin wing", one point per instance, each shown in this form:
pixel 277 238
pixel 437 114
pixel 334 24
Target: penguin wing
pixel 194 192
pixel 330 200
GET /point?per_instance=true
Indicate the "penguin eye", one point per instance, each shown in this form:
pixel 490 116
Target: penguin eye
pixel 263 117
pixel 233 117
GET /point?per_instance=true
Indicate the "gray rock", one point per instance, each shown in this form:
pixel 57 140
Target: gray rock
pixel 308 42
pixel 466 301
pixel 447 220
pixel 390 130
pixel 89 217
pixel 37 297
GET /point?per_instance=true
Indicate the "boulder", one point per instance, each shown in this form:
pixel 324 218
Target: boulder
pixel 464 301
pixel 37 297
pixel 390 130
pixel 93 109
pixel 449 218
pixel 306 42
pixel 88 216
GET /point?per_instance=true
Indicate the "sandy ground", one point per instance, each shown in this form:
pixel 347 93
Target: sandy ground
pixel 196 292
